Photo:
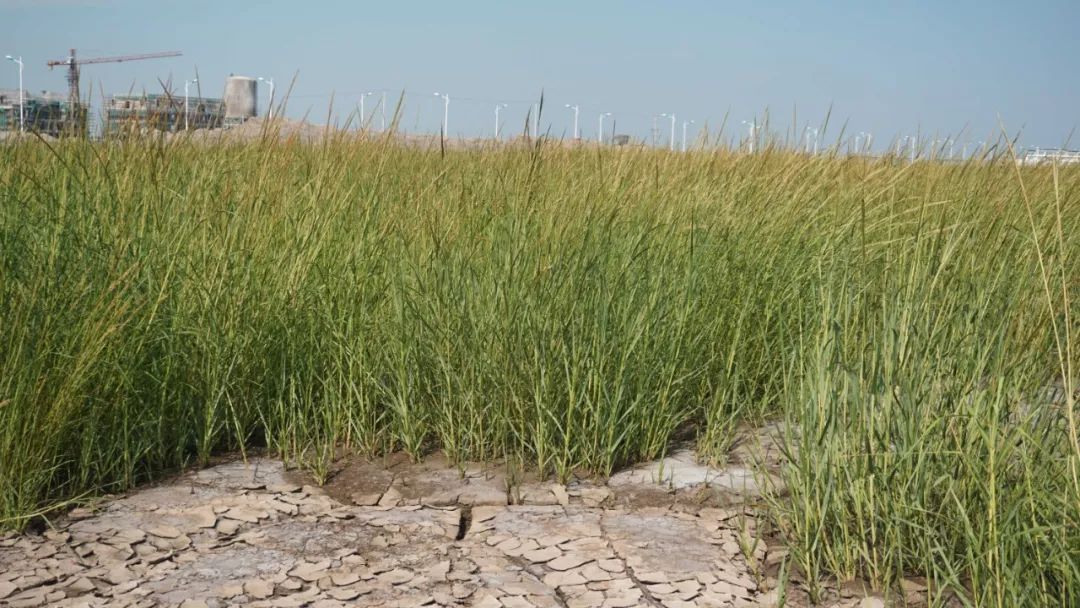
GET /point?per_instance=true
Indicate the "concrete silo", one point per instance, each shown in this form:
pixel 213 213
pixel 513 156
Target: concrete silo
pixel 241 98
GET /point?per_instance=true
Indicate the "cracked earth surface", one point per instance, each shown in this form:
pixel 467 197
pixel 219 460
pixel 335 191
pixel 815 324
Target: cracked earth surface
pixel 248 534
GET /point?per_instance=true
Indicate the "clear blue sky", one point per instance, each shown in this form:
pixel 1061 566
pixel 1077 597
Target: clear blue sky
pixel 884 67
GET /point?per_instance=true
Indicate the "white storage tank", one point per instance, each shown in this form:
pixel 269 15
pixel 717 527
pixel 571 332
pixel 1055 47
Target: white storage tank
pixel 241 98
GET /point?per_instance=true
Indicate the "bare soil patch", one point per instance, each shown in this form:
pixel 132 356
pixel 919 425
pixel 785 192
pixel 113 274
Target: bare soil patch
pixel 253 534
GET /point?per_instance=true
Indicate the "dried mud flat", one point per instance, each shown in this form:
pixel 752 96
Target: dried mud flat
pixel 249 534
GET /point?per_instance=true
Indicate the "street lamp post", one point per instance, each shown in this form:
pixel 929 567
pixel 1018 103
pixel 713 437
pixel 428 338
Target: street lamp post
pixel 498 107
pixel 808 129
pixel 446 113
pixel 684 124
pixel 187 83
pixel 382 110
pixel 865 146
pixel 752 124
pixel 270 104
pixel 671 138
pixel 22 96
pixel 363 121
pixel 600 128
pixel 576 109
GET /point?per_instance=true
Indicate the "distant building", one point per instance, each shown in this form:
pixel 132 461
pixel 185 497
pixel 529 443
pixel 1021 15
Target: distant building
pixel 162 112
pixel 45 113
pixel 1050 155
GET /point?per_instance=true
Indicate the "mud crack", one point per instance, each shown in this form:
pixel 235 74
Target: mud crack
pixel 464 521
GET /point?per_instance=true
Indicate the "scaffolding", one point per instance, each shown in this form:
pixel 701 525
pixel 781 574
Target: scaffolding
pixel 161 112
pixel 46 114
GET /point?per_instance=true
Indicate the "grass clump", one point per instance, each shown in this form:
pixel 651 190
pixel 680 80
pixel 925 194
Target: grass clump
pixel 572 309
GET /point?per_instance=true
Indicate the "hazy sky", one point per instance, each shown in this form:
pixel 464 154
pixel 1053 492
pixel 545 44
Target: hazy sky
pixel 884 67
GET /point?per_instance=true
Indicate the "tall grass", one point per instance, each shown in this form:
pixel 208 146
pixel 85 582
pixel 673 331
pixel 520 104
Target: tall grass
pixel 576 309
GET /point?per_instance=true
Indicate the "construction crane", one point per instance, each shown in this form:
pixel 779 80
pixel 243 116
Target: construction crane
pixel 73 73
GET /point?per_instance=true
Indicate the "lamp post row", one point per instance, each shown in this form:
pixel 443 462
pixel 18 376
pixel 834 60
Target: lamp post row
pixel 864 137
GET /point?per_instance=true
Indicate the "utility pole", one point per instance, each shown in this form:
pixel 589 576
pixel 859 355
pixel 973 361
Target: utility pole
pixel 498 107
pixel 600 128
pixel 684 124
pixel 576 109
pixel 22 96
pixel 187 112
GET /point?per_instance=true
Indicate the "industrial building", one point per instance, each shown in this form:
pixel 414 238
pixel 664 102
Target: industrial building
pixel 163 112
pixel 173 112
pixel 46 113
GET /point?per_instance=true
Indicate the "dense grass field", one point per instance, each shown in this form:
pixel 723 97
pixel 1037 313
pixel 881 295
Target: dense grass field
pixel 573 309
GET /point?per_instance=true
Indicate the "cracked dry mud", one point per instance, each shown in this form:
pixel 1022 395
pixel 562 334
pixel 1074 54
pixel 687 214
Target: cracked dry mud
pixel 246 534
